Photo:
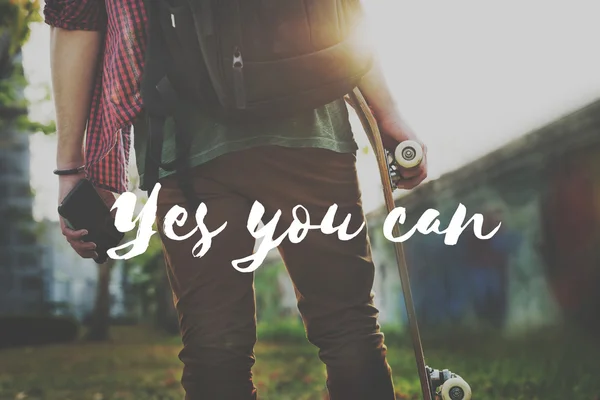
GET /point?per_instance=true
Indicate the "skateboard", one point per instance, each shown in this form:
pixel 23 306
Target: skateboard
pixel 435 384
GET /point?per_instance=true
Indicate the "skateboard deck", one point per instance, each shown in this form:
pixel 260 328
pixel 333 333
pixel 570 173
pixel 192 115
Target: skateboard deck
pixel 441 384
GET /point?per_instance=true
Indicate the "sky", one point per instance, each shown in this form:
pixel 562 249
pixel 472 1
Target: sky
pixel 469 76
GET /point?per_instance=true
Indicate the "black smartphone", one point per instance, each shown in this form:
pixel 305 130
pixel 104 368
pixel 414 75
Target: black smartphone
pixel 83 208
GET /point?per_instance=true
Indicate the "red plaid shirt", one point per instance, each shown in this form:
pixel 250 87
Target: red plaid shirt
pixel 116 100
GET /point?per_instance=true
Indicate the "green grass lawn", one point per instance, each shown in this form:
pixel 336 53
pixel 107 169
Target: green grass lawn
pixel 142 365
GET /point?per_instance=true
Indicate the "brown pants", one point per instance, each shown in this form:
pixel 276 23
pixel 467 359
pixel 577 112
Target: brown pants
pixel 333 279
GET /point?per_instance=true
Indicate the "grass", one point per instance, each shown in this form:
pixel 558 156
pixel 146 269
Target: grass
pixel 143 365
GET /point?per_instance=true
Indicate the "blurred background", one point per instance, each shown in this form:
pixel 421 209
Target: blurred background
pixel 506 96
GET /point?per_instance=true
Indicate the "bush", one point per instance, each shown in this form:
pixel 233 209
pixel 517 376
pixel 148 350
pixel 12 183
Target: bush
pixel 283 330
pixel 124 320
pixel 119 320
pixel 36 330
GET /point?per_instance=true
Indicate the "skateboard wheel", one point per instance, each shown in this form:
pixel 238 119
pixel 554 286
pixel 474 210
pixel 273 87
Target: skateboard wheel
pixel 456 389
pixel 408 154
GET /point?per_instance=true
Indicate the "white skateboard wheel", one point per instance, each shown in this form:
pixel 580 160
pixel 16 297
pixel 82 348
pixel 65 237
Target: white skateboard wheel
pixel 408 154
pixel 456 389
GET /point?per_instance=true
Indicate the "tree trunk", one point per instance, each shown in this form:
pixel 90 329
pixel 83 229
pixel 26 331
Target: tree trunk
pixel 166 315
pixel 100 321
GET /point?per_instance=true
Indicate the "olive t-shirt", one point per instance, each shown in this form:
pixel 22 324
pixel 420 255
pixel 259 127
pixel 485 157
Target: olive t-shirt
pixel 327 127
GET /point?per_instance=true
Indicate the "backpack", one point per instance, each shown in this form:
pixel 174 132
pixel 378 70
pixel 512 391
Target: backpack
pixel 246 59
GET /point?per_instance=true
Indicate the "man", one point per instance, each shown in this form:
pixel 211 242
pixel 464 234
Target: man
pixel 306 159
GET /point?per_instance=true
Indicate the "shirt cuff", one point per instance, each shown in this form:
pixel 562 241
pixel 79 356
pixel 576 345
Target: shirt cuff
pixel 79 15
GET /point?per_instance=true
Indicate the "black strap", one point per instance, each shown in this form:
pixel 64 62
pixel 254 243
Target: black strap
pixel 154 108
pixel 154 142
pixel 161 101
pixel 182 141
pixel 183 174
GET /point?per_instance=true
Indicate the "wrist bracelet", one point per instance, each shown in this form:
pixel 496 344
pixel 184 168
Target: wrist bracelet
pixel 72 171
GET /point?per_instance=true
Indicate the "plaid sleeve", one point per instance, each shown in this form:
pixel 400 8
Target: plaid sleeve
pixel 110 171
pixel 83 15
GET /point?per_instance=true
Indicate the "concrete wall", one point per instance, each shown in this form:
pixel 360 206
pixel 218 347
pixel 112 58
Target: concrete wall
pixel 541 268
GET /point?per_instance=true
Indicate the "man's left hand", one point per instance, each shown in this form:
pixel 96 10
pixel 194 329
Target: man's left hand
pixel 393 132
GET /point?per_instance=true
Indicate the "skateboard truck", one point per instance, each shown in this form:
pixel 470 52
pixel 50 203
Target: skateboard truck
pixel 447 385
pixel 407 154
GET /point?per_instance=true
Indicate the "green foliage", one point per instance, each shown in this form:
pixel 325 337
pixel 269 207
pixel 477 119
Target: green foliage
pixel 142 268
pixel 267 290
pixel 15 17
pixel 146 272
pixel 24 124
pixel 11 86
pixel 288 330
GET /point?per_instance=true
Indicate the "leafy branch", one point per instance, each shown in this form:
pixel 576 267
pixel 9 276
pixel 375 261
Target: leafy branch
pixel 15 17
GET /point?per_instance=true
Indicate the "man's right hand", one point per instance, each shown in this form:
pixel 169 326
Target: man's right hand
pixel 66 183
